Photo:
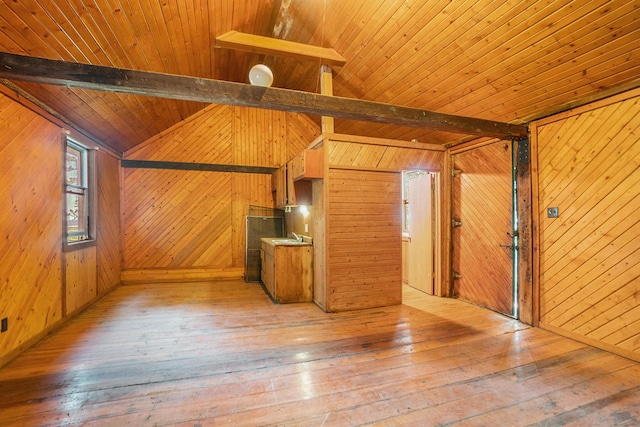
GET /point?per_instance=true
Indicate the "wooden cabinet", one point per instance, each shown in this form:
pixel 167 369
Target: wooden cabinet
pixel 287 191
pixel 291 184
pixel 287 272
pixel 279 187
pixel 307 165
pixel 299 192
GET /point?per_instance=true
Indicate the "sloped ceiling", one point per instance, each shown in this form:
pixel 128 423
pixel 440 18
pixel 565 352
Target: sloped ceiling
pixel 506 61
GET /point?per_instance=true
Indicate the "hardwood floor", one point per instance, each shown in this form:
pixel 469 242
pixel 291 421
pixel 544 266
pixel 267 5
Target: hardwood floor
pixel 203 354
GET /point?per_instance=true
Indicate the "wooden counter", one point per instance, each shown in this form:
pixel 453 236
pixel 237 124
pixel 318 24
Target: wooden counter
pixel 287 270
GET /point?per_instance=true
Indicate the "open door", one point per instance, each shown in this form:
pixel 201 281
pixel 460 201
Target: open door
pixel 420 229
pixel 484 240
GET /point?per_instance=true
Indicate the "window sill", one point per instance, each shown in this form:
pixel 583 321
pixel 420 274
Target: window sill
pixel 76 246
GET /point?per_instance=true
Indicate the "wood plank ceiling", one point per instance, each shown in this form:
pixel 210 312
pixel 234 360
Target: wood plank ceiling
pixel 506 61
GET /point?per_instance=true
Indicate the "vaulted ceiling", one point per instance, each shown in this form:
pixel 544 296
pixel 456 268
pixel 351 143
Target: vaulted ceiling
pixel 507 61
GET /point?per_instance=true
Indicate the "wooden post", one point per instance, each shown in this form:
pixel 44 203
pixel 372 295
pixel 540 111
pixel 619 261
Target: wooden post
pixel 525 232
pixel 446 199
pixel 326 88
pixel 535 227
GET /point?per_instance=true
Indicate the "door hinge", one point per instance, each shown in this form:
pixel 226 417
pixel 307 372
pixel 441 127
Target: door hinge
pixel 455 172
pixel 455 223
pixel 456 275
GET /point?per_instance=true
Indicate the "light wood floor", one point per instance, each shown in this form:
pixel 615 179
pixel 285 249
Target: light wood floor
pixel 221 353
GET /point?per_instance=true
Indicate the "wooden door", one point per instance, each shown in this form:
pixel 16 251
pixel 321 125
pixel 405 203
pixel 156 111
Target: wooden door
pixel 483 205
pixel 420 250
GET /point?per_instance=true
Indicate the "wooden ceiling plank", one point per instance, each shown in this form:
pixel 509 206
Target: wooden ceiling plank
pixel 112 21
pixel 405 24
pixel 438 75
pixel 357 33
pixel 37 41
pixel 407 47
pixel 177 40
pixel 46 71
pixel 154 114
pixel 17 17
pixel 524 55
pixel 594 46
pixel 220 18
pixel 564 82
pixel 530 65
pixel 270 46
pixel 81 114
pixel 439 72
pixel 477 83
pixel 182 52
pixel 362 42
pixel 131 16
pixel 200 36
pixel 12 41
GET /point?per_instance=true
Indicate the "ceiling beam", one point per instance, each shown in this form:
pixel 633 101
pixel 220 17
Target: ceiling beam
pixel 270 46
pixel 109 79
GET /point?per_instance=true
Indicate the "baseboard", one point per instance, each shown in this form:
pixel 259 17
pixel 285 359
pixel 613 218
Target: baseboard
pixel 592 342
pixel 145 275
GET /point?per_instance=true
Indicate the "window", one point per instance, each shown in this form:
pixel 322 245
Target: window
pixel 78 191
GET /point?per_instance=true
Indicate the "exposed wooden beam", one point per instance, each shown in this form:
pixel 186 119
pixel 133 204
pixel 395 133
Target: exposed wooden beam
pixel 204 167
pixel 278 47
pixel 71 74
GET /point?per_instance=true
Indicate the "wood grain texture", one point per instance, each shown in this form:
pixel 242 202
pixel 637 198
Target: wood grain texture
pixel 46 71
pixel 109 233
pixel 357 218
pixel 30 224
pixel 482 203
pixel 80 279
pixel 222 353
pixel 494 60
pixel 363 238
pixel 385 157
pixel 287 272
pixel 590 256
pixel 179 220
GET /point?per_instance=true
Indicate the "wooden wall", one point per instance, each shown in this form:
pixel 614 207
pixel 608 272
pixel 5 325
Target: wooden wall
pixel 109 234
pixel 364 240
pixel 358 234
pixel 372 153
pixel 191 224
pixel 589 257
pixel 40 286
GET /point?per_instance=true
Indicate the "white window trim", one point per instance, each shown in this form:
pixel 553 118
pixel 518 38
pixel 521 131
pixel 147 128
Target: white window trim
pixel 92 197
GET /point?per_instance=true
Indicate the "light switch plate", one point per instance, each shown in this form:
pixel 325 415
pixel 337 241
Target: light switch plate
pixel 552 212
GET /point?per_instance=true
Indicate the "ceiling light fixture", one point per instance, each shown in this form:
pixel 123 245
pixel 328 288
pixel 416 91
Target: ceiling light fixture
pixel 260 75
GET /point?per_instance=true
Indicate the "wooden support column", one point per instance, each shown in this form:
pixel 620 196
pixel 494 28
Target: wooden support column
pixel 446 195
pixel 326 88
pixel 525 232
pixel 535 224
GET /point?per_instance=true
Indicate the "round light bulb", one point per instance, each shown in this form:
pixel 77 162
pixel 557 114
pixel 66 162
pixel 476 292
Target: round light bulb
pixel 260 75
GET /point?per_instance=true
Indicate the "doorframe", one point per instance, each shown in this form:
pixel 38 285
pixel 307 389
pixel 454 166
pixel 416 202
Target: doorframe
pixel 440 288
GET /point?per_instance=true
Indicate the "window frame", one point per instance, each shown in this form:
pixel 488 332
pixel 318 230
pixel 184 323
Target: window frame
pixel 88 188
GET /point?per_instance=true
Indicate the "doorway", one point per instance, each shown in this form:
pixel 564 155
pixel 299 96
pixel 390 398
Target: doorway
pixel 421 231
pixel 484 236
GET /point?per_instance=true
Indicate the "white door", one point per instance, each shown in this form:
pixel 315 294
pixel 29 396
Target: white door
pixel 420 252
